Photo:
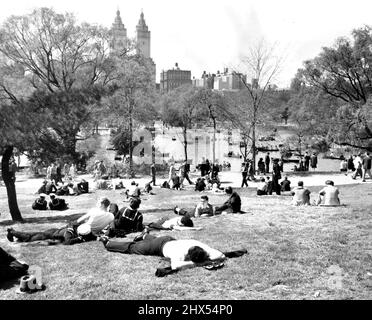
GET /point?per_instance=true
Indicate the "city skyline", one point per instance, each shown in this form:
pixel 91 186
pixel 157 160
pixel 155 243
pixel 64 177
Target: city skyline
pixel 211 35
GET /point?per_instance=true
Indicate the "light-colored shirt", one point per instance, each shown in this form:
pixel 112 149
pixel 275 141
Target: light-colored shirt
pixel 177 250
pixel 301 196
pixel 172 172
pixel 172 222
pixel 203 209
pixel 97 219
pixel 330 194
pixel 261 186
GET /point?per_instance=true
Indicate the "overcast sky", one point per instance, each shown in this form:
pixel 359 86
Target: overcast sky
pixel 212 34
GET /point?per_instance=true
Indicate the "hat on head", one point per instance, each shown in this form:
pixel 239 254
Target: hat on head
pixel 43 195
pixel 84 229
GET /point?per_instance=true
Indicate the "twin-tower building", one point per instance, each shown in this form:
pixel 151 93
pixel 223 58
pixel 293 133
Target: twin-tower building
pixel 119 41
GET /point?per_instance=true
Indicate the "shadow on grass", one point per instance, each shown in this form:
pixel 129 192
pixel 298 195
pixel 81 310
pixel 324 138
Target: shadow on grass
pixel 9 284
pixel 71 217
pixel 51 219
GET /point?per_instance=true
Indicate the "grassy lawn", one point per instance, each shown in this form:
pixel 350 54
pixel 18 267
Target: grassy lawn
pixel 292 252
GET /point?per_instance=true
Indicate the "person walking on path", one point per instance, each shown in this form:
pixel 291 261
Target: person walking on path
pixel 350 164
pixel 358 163
pixel 276 177
pixel 244 174
pixel 72 171
pixel 314 161
pixel 366 166
pixel 153 174
pixel 307 161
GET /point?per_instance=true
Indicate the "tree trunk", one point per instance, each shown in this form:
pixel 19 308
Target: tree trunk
pixel 254 138
pixel 214 140
pixel 130 109
pixel 153 160
pixel 185 141
pixel 9 180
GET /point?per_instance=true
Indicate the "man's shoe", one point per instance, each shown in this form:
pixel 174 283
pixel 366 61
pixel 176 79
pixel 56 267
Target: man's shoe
pixel 142 236
pixel 10 235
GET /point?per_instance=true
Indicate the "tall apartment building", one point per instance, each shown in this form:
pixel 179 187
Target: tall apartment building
pixel 119 40
pixel 221 81
pixel 174 78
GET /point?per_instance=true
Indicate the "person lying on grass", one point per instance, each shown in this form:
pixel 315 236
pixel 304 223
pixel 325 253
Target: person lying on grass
pixel 68 235
pixel 183 254
pixel 127 220
pixel 176 223
pixel 328 196
pixel 231 205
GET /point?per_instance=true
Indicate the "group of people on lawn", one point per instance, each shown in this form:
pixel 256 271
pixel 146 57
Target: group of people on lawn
pixel 106 221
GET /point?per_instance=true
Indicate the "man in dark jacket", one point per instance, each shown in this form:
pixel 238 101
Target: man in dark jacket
pixel 267 163
pixel 314 161
pixel 57 203
pixel 366 166
pixel 306 161
pixel 276 177
pixel 232 205
pixel 40 203
pixel 127 220
pixel 200 185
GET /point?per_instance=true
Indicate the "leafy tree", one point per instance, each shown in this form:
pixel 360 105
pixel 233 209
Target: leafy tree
pixel 181 108
pixel 344 71
pixel 133 100
pixel 214 106
pixel 47 63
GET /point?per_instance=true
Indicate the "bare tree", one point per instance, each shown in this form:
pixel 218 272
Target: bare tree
pixel 257 73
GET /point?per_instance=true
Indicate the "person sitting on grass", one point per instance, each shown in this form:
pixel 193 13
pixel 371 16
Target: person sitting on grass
pixel 98 218
pixel 262 187
pixel 200 185
pixel 328 196
pixel 67 235
pixel 10 267
pixel 232 205
pixel 82 187
pixel 50 187
pixel 301 195
pixel 127 220
pixel 176 223
pixel 57 203
pixel 204 208
pixel 133 190
pixel 42 189
pixel 40 203
pixel 285 184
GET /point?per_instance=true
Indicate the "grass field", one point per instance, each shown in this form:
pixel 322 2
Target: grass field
pixel 293 253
